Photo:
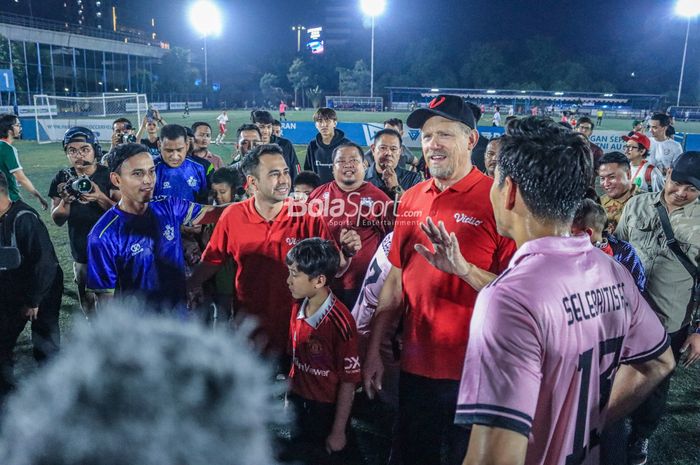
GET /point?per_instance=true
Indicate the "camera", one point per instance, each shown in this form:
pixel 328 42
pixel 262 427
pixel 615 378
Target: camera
pixel 150 115
pixel 128 139
pixel 78 185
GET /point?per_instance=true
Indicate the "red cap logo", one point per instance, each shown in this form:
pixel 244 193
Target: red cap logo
pixel 436 102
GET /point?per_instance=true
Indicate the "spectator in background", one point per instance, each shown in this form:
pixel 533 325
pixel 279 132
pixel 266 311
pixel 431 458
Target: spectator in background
pixel 305 184
pixel 599 117
pixel 591 219
pixel 479 150
pixel 264 121
pixel 616 181
pixel 637 126
pixel 664 151
pixel 80 210
pixel 150 126
pixel 144 390
pixel 644 174
pixel 122 132
pixel 248 136
pixel 491 156
pixel 319 152
pixel 202 139
pixel 10 130
pixel 585 126
pixel 276 128
pixel 672 290
pixel 30 290
pixel 406 159
pixel 496 117
pixel 356 205
pixel 176 174
pixel 208 167
pixel 384 171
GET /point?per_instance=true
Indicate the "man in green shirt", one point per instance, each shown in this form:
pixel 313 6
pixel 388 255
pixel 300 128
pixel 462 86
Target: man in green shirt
pixel 11 129
pixel 669 283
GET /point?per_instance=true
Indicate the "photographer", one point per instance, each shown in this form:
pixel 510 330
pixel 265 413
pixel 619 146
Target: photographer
pixel 122 132
pixel 31 284
pixel 80 195
pixel 150 124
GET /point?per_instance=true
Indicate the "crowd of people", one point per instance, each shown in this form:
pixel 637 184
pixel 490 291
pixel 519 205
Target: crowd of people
pixel 483 294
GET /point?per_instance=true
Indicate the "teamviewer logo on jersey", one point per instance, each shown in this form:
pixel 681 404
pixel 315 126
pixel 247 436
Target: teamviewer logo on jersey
pixel 169 232
pixel 136 249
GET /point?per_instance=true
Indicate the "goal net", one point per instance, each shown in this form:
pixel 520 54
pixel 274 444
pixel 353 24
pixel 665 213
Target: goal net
pixel 355 103
pixel 55 114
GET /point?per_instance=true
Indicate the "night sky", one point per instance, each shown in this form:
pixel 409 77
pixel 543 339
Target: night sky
pixel 256 30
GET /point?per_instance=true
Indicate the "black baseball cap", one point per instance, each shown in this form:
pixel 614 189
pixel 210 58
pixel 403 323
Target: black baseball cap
pixel 687 169
pixel 448 106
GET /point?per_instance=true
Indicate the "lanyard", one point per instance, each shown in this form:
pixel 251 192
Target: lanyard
pixel 639 168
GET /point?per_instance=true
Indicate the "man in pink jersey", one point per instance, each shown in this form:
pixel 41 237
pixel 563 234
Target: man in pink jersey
pixel 561 343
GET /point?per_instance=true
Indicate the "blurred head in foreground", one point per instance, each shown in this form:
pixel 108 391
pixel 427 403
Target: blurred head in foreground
pixel 144 390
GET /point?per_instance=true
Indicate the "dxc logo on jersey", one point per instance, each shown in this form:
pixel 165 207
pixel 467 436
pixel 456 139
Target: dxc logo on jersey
pixel 462 218
pixel 352 363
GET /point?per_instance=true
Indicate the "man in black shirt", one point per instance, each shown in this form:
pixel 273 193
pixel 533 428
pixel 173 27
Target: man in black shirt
pixel 30 292
pixel 80 205
pixel 319 153
pixel 384 172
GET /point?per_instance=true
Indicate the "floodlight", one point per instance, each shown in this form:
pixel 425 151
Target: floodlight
pixel 205 18
pixel 688 8
pixel 490 91
pixel 434 90
pixel 373 8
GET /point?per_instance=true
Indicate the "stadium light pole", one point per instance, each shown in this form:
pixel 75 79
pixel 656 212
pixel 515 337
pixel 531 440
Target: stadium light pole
pixel 687 9
pixel 298 28
pixel 206 20
pixel 372 8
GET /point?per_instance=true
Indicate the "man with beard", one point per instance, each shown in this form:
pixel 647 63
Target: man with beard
pixel 436 305
pixel 351 203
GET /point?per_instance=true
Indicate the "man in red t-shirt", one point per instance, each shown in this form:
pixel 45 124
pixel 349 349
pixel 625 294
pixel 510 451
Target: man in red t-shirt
pixel 349 202
pixel 437 301
pixel 257 234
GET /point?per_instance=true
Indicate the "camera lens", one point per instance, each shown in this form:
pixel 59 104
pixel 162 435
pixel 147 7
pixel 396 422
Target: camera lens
pixel 82 185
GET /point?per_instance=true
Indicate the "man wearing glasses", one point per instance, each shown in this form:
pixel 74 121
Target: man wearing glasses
pixel 79 196
pixel 645 176
pixel 10 130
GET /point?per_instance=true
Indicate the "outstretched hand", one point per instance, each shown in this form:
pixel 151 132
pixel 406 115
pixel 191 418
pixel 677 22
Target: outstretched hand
pixel 446 255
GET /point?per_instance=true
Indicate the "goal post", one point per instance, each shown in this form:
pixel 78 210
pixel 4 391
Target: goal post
pixel 54 115
pixel 355 103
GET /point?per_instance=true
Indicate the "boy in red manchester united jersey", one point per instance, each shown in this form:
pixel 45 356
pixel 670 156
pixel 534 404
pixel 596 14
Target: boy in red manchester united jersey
pixel 323 344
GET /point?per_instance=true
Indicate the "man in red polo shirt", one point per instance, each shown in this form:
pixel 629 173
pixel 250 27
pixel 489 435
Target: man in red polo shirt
pixel 437 305
pixel 349 202
pixel 257 234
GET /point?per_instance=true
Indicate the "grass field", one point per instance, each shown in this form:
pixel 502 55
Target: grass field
pixel 676 443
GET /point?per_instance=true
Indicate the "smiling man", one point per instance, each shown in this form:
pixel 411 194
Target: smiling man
pixel 256 235
pixel 436 301
pixel 135 249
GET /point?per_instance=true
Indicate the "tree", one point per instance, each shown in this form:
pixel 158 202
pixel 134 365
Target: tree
pixel 270 91
pixel 175 73
pixel 299 77
pixel 485 67
pixel 355 81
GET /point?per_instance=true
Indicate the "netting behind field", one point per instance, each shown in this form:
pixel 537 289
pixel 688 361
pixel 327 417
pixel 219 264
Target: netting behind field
pixel 55 114
pixel 355 103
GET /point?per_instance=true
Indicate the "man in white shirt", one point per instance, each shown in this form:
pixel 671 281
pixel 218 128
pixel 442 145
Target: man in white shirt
pixel 664 151
pixel 222 119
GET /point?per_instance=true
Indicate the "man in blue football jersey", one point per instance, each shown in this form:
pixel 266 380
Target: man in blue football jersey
pixel 176 174
pixel 135 249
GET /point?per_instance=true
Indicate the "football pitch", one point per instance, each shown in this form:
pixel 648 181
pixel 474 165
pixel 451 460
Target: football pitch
pixel 677 441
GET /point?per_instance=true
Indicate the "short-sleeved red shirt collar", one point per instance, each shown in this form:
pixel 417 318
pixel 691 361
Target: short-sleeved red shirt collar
pixel 463 185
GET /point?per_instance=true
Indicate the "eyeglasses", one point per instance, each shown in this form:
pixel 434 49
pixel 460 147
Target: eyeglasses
pixel 353 162
pixel 392 149
pixel 85 150
pixel 631 147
